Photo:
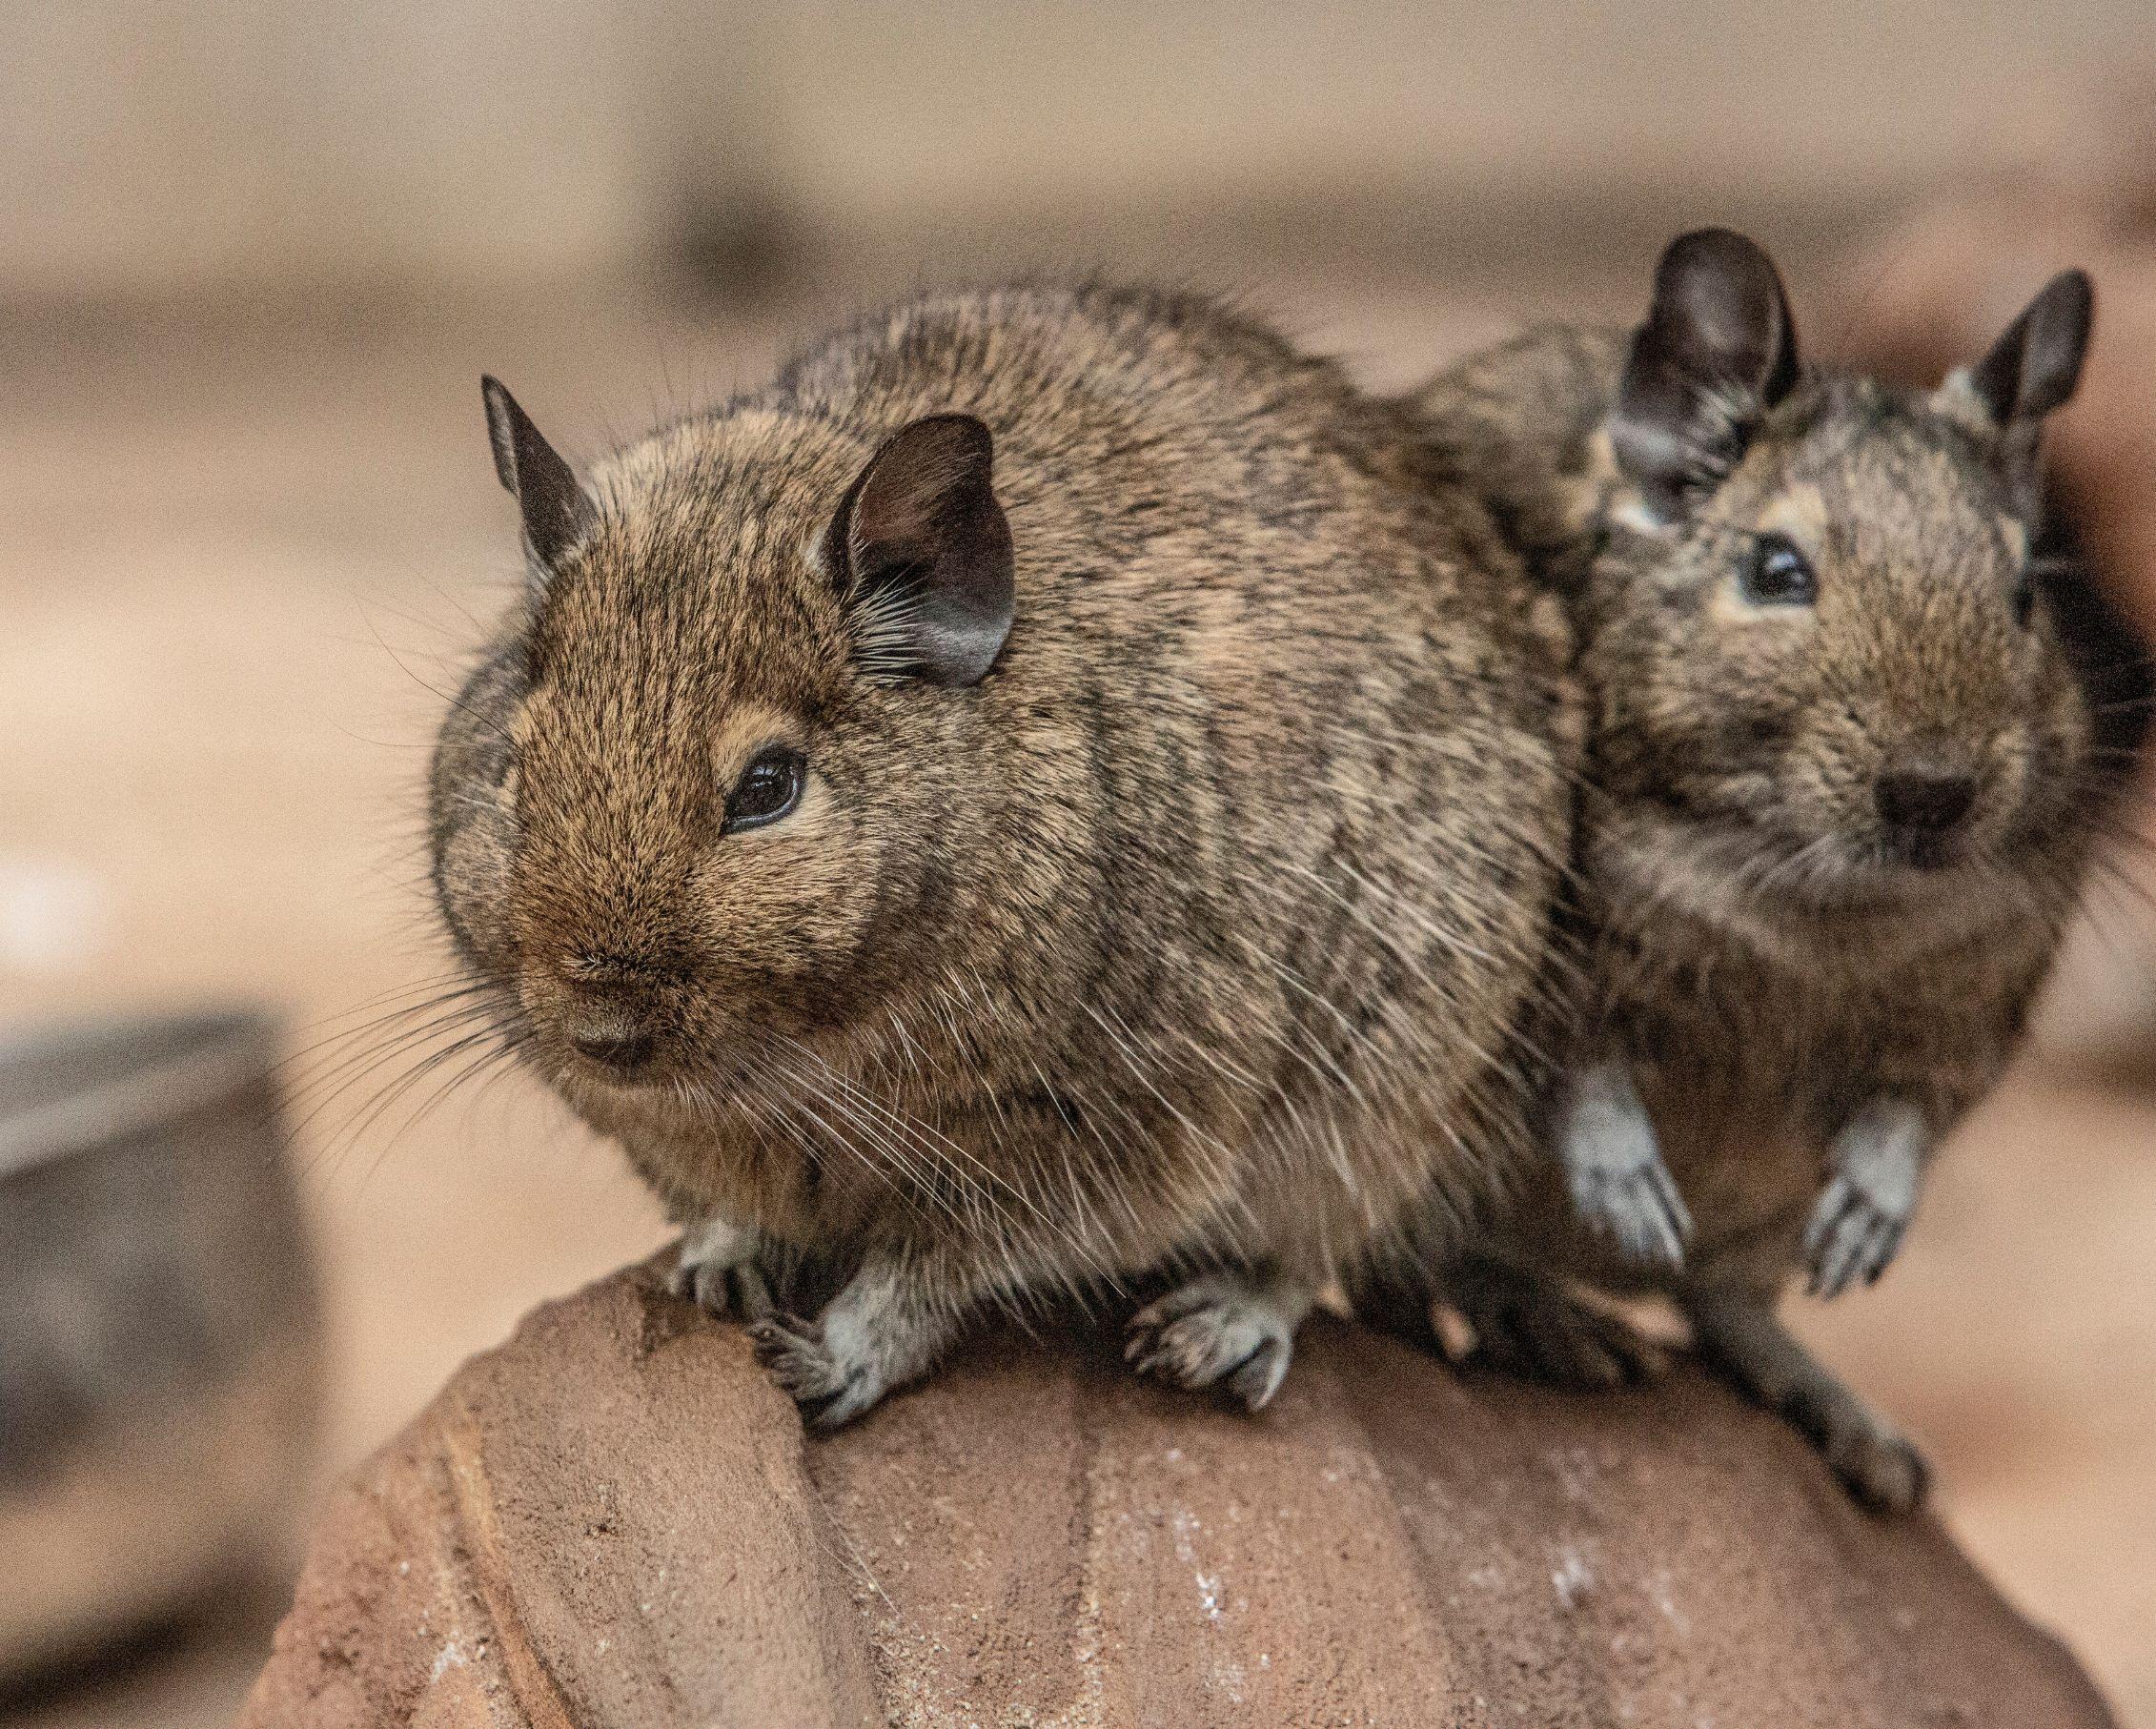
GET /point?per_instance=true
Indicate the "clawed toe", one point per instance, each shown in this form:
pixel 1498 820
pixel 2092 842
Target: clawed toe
pixel 1259 1376
pixel 739 1291
pixel 829 1391
pixel 716 1268
pixel 1199 1336
pixel 793 1348
pixel 1850 1240
pixel 1639 1210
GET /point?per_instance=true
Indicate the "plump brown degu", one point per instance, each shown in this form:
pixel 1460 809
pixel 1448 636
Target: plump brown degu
pixel 1853 740
pixel 1031 801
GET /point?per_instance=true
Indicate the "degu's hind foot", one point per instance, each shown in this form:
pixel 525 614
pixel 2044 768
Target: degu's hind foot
pixel 1530 1325
pixel 1235 1329
pixel 1737 1331
pixel 718 1265
pixel 829 1370
pixel 1881 1466
pixel 886 1326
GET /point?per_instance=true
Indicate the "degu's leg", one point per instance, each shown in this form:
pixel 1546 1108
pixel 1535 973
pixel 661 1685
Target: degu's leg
pixel 1734 1328
pixel 1532 1325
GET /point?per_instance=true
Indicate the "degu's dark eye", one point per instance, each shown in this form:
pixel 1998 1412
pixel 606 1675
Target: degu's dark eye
pixel 1775 574
pixel 768 789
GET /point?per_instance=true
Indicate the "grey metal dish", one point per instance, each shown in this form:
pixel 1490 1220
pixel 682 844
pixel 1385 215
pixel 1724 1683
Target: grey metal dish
pixel 159 1330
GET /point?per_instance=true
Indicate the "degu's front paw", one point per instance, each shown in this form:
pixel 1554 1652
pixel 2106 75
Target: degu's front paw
pixel 1636 1206
pixel 826 1367
pixel 1613 1165
pixel 1865 1210
pixel 716 1268
pixel 1214 1331
pixel 1854 1234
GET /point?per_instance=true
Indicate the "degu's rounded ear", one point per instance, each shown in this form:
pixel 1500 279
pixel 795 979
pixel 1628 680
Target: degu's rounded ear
pixel 925 554
pixel 2034 367
pixel 556 510
pixel 1717 351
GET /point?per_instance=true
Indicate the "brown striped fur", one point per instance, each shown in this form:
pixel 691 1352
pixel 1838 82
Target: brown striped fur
pixel 1194 935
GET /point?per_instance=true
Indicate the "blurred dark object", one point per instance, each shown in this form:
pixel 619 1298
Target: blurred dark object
pixel 160 1362
pixel 744 251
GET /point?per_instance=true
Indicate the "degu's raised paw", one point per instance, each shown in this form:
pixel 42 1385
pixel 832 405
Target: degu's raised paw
pixel 1865 1210
pixel 1852 1238
pixel 1614 1167
pixel 1637 1208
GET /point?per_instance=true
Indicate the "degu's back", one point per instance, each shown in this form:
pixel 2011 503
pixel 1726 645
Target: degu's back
pixel 1032 799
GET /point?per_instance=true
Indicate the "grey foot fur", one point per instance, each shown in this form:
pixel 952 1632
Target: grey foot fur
pixel 1225 1329
pixel 887 1326
pixel 1532 1327
pixel 1614 1167
pixel 717 1268
pixel 1851 1239
pixel 1865 1212
pixel 1739 1333
pixel 826 1369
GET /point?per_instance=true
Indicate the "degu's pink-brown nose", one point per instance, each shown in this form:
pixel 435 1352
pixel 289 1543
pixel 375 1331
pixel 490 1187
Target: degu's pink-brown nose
pixel 609 1024
pixel 625 1049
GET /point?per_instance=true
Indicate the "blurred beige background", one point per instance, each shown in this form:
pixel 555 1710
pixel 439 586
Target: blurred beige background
pixel 251 266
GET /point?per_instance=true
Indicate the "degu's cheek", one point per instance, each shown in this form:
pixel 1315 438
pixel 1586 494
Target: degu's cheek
pixel 473 872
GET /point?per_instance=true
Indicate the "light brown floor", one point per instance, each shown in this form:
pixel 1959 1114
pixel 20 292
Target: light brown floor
pixel 236 572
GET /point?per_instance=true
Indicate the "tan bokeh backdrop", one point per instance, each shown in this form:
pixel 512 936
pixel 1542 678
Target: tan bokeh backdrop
pixel 250 271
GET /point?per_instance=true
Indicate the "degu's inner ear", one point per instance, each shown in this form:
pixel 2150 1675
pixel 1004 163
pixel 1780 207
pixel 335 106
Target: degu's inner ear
pixel 926 553
pixel 556 509
pixel 1717 351
pixel 2033 367
pixel 2024 376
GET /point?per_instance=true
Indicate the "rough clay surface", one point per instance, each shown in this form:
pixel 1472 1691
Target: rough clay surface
pixel 613 1521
